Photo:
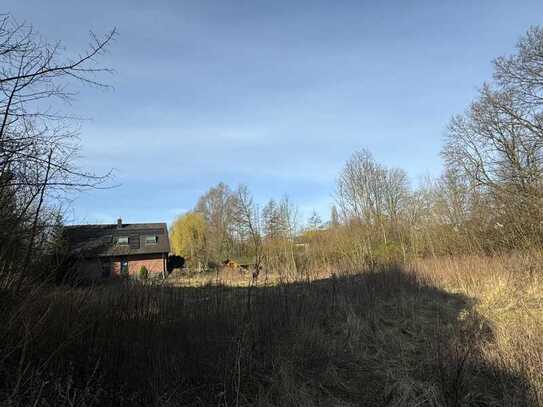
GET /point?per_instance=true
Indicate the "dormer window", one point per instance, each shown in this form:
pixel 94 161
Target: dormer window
pixel 122 241
pixel 151 240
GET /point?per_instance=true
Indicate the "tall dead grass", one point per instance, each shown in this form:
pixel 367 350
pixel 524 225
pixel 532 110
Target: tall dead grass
pixel 445 332
pixel 508 294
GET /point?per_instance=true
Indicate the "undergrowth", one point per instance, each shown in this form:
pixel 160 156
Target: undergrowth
pixel 447 332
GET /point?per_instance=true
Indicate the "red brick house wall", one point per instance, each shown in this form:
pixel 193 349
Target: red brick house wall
pixel 155 264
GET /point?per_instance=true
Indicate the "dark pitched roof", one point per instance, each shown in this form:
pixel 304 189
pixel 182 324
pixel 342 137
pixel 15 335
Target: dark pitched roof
pixel 101 240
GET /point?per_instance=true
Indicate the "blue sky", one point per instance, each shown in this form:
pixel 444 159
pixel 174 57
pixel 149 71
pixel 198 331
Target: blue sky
pixel 272 94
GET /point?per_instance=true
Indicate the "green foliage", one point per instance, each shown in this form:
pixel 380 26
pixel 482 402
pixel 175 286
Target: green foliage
pixel 143 273
pixel 189 237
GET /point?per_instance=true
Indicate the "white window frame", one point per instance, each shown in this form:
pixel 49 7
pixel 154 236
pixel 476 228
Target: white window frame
pixel 119 243
pixel 150 243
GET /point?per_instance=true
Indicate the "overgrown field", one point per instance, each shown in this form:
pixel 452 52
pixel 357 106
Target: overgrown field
pixel 444 332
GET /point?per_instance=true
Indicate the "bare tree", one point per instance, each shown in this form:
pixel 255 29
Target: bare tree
pixel 371 193
pixel 38 145
pixel 217 206
pixel 248 220
pixel 271 220
pixel 498 142
pixel 522 73
pixel 33 75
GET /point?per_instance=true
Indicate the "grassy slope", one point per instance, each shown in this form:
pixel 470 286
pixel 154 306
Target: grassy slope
pixel 439 333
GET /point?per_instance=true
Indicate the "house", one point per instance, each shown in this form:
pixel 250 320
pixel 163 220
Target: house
pixel 114 250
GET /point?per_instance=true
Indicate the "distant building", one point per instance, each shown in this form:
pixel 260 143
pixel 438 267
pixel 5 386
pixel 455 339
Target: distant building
pixel 114 250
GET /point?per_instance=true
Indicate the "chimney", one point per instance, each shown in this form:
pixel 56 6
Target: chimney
pixel 119 223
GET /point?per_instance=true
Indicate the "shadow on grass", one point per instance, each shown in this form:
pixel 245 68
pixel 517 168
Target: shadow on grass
pixel 379 338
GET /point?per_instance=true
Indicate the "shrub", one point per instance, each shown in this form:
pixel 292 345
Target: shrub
pixel 144 273
pixel 388 253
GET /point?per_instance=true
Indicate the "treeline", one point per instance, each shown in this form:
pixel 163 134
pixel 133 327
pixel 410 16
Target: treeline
pixel 488 199
pixel 229 224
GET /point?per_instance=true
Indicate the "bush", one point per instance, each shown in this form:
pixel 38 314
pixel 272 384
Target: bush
pixel 212 265
pixel 144 273
pixel 388 253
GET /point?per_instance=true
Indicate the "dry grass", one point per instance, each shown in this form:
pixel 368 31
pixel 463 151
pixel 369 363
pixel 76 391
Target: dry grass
pixel 244 278
pixel 445 332
pixel 508 293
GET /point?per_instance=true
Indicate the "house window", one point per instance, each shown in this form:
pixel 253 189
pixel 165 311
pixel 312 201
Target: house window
pixel 122 241
pixel 151 240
